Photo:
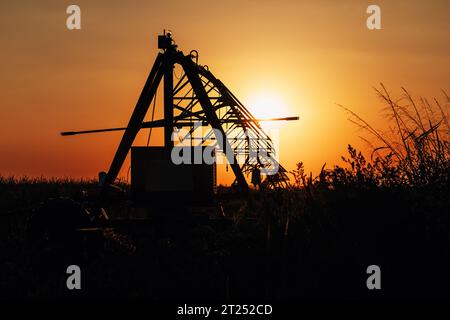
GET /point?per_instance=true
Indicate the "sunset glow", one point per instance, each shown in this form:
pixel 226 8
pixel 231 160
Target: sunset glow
pixel 293 58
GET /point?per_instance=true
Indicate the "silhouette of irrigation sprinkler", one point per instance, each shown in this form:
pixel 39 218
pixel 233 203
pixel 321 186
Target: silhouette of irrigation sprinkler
pixel 196 100
pixel 198 96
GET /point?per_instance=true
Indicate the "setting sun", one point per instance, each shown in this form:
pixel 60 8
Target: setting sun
pixel 267 105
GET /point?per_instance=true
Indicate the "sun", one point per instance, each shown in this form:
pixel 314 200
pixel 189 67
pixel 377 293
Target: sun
pixel 267 105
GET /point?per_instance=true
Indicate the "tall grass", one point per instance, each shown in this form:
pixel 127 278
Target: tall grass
pixel 390 207
pixel 415 151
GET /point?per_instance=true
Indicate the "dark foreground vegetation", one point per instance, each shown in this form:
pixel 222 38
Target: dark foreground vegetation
pixel 315 240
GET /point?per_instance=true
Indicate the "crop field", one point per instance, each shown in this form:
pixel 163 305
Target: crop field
pixel 313 240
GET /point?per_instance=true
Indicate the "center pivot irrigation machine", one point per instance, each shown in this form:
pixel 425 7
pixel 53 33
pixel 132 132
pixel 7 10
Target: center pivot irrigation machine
pixel 197 100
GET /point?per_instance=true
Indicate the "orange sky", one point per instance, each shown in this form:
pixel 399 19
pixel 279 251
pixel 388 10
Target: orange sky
pixel 311 54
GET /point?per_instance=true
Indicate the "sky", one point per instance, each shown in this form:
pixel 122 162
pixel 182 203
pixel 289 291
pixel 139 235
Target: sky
pixel 308 56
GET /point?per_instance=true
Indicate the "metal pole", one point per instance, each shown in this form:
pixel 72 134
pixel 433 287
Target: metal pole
pixel 168 99
pixel 134 125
